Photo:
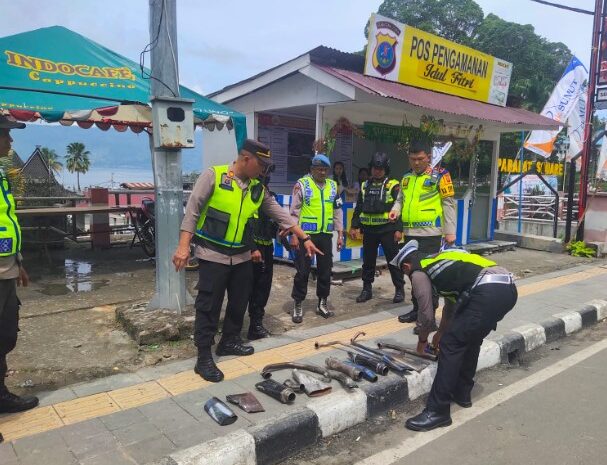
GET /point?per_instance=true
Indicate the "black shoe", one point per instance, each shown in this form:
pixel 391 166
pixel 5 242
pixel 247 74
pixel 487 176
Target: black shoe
pixel 427 421
pixel 206 368
pixel 297 316
pixel 233 346
pixel 322 309
pixel 399 296
pixel 410 317
pixel 464 401
pixel 12 403
pixel 257 331
pixel 365 294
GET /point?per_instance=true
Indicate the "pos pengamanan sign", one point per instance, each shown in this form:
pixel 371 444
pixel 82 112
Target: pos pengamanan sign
pixel 404 54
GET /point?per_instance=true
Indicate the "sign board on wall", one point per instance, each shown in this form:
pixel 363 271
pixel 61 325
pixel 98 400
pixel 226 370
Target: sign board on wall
pixel 404 54
pixel 510 165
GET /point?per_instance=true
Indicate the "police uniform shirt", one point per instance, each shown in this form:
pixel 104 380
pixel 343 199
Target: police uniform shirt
pixel 9 265
pixel 445 188
pixel 203 189
pixel 297 201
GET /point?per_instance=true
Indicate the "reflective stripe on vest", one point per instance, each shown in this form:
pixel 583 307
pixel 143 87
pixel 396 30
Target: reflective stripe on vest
pixel 435 264
pixel 10 231
pixel 316 214
pixel 370 219
pixel 422 206
pixel 223 219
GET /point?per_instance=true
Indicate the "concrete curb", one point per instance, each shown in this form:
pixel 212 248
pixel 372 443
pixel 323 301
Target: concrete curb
pixel 284 436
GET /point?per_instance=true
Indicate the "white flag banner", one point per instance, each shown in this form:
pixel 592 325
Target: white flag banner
pixel 601 166
pixel 559 107
pixel 438 152
pixel 576 124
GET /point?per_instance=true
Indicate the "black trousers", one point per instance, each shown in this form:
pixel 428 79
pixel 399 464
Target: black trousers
pixel 428 245
pixel 461 343
pixel 262 283
pixel 371 241
pixel 9 323
pixel 324 265
pixel 214 279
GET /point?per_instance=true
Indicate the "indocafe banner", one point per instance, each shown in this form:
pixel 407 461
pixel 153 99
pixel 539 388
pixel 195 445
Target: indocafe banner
pixel 404 54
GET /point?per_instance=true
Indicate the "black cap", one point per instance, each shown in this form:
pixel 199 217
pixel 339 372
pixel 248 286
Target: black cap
pixel 7 123
pixel 261 151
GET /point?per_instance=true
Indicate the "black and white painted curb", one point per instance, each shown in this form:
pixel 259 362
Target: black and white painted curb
pixel 285 435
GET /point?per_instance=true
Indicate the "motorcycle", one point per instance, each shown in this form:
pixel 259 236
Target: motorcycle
pixel 144 224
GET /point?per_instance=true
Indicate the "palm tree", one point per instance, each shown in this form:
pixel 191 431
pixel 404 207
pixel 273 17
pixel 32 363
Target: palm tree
pixel 77 160
pixel 52 160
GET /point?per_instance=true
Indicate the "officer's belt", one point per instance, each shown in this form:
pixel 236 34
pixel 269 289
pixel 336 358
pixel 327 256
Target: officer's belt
pixel 493 279
pixel 418 224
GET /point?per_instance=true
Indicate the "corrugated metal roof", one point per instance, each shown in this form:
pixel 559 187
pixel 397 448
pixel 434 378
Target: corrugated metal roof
pixel 442 102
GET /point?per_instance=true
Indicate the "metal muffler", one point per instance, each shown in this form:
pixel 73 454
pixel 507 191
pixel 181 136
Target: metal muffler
pixel 276 390
pixel 313 387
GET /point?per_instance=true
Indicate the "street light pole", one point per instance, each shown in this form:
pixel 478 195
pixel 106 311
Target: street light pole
pixel 170 285
pixel 587 147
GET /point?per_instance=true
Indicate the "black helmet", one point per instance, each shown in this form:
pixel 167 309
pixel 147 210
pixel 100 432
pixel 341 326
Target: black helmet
pixel 380 160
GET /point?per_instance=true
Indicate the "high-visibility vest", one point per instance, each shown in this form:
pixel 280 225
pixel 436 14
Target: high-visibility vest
pixel 376 210
pixel 422 206
pixel 10 231
pixel 223 219
pixel 316 214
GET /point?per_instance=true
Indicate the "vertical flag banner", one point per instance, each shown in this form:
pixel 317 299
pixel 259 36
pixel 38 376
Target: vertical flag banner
pixel 559 107
pixel 438 152
pixel 577 123
pixel 601 166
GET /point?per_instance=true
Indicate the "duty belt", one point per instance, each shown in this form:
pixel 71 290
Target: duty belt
pixel 493 279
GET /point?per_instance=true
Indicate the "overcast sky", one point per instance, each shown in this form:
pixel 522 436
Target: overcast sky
pixel 222 42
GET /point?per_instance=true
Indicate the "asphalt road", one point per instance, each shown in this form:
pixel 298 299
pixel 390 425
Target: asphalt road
pixel 547 409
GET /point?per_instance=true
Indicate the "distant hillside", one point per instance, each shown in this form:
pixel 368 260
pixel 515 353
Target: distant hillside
pixel 109 149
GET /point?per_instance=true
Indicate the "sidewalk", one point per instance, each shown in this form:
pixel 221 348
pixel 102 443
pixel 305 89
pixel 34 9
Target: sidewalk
pixel 157 412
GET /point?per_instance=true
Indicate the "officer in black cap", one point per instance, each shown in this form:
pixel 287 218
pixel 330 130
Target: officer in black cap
pixel 371 216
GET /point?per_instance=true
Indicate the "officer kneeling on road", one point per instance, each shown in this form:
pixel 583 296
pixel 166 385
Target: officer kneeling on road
pixel 483 293
pixel 375 201
pixel 317 207
pixel 223 200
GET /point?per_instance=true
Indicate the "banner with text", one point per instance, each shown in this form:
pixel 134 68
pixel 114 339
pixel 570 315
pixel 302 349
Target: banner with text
pixel 404 54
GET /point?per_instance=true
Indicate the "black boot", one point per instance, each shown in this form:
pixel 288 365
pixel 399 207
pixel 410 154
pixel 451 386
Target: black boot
pixel 257 330
pixel 205 366
pixel 365 294
pixel 399 296
pixel 410 317
pixel 323 309
pixel 297 316
pixel 233 346
pixel 428 420
pixel 12 403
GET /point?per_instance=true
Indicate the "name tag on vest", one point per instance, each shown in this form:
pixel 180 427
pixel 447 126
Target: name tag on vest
pixel 226 182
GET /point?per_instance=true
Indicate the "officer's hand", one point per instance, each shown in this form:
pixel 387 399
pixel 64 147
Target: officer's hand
pixel 449 238
pixel 354 233
pixel 181 257
pixel 23 279
pixel 311 249
pixel 256 257
pixel 392 216
pixel 436 338
pixel 294 241
pixel 398 236
pixel 340 242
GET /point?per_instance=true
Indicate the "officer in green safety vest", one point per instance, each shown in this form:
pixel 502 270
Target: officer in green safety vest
pixel 12 274
pixel 426 206
pixel 479 294
pixel 317 206
pixel 223 200
pixel 371 215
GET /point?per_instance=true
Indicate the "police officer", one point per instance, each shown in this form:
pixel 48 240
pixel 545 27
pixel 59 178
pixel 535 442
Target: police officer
pixel 481 294
pixel 426 206
pixel 317 207
pixel 375 201
pixel 264 230
pixel 12 274
pixel 223 200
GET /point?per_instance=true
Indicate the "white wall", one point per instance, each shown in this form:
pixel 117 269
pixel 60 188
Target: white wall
pixel 218 147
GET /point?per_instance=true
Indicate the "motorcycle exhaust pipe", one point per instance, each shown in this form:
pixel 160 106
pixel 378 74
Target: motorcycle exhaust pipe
pixel 378 367
pixel 365 372
pixel 313 387
pixel 349 370
pixel 276 390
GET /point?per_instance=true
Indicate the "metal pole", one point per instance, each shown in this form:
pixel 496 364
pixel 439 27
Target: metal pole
pixel 170 286
pixel 520 186
pixel 594 58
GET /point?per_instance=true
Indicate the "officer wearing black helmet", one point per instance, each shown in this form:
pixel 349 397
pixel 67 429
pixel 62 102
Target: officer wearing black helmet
pixel 371 216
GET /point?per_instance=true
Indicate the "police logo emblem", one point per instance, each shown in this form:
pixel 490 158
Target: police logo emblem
pixel 384 55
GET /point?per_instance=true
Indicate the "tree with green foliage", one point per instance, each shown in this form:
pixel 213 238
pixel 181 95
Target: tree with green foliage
pixel 77 160
pixel 52 160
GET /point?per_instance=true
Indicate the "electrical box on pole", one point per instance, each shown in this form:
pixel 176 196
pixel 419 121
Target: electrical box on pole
pixel 175 120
